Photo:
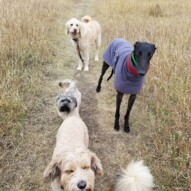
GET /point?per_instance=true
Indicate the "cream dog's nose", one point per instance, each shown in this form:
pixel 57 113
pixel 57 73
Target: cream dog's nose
pixel 81 184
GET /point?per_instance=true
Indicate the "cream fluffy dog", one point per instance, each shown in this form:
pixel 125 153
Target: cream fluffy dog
pixel 82 34
pixel 73 166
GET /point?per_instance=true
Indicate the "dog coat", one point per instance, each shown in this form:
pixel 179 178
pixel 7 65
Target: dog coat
pixel 116 56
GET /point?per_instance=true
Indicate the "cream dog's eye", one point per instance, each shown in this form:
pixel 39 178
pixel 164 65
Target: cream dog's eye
pixel 77 25
pixel 71 24
pixel 69 171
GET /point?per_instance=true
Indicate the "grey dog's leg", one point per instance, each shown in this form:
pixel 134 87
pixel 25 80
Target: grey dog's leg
pixel 130 105
pixel 119 98
pixel 104 69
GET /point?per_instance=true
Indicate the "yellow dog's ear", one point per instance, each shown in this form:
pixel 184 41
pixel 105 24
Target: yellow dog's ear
pixel 66 28
pixel 96 164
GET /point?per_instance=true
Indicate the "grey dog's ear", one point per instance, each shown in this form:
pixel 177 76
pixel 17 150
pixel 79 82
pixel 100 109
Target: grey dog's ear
pixel 74 101
pixel 96 164
pixel 52 171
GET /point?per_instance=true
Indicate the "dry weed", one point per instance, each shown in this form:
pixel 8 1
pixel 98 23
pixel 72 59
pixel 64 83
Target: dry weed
pixel 161 118
pixel 29 32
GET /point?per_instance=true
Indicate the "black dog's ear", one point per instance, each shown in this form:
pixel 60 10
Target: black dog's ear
pixel 154 47
pixel 136 44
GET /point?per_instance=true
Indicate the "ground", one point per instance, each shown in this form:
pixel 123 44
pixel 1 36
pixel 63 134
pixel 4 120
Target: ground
pixel 160 118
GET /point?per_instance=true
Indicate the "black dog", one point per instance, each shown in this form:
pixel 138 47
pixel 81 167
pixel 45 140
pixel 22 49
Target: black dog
pixel 129 67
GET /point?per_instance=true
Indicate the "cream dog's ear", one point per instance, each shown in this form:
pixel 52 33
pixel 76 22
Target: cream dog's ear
pixel 96 164
pixel 82 30
pixel 52 171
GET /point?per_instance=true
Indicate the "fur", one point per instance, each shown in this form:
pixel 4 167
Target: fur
pixel 136 177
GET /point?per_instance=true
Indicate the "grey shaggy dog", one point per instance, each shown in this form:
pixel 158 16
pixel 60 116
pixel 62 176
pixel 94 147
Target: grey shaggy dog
pixel 66 102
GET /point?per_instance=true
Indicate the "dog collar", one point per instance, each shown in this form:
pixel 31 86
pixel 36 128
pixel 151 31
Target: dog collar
pixel 129 66
pixel 133 58
pixel 75 39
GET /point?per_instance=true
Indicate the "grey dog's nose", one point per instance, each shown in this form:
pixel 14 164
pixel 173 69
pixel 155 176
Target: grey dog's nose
pixel 81 184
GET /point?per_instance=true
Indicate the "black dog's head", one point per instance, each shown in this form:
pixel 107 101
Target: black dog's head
pixel 143 52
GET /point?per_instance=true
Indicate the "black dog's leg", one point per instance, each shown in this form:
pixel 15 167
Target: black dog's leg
pixel 130 105
pixel 119 98
pixel 104 69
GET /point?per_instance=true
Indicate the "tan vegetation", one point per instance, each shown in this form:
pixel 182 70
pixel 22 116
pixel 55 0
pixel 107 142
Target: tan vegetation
pixel 29 36
pixel 35 51
pixel 164 108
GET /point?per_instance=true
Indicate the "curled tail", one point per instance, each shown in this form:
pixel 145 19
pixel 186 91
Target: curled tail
pixel 136 177
pixel 110 75
pixel 67 84
pixel 86 19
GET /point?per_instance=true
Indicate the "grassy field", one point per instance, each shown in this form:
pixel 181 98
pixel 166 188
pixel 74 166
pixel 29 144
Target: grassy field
pixel 30 36
pixel 35 50
pixel 166 96
pixel 28 31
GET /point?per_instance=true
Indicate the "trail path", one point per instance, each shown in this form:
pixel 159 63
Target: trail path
pixel 115 149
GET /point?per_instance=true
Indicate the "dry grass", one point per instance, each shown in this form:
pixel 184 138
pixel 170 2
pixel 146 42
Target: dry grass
pixel 26 44
pixel 30 31
pixel 34 52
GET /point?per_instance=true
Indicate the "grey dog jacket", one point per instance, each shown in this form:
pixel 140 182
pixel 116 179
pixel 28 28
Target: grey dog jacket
pixel 116 56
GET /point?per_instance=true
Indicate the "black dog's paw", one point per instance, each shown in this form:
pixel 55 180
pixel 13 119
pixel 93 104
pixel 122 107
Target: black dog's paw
pixel 116 127
pixel 98 89
pixel 127 129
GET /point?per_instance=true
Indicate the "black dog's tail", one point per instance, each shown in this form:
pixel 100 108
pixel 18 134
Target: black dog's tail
pixel 110 75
